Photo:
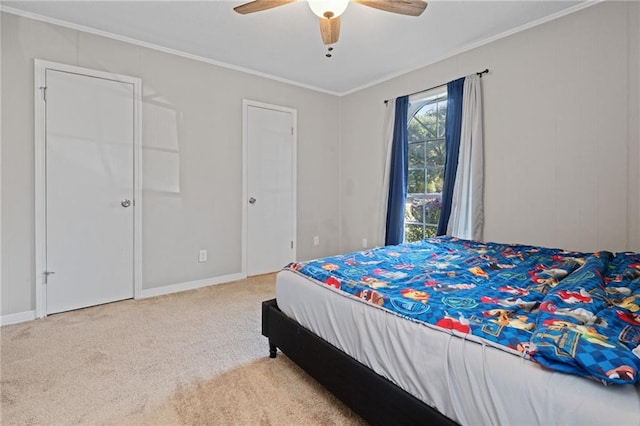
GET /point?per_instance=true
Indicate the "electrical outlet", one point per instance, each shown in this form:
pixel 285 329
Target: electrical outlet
pixel 202 256
pixel 316 241
pixel 364 243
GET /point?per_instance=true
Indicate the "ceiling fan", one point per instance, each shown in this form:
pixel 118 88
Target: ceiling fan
pixel 329 11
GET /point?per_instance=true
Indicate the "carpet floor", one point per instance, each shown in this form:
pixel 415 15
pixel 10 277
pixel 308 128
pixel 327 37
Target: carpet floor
pixel 195 357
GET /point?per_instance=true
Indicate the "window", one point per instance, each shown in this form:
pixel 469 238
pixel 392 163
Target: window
pixel 427 152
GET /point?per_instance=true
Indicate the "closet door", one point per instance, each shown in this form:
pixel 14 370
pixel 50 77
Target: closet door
pixel 270 203
pixel 89 190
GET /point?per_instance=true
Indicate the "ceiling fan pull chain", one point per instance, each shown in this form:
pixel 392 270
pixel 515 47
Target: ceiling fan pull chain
pixel 329 49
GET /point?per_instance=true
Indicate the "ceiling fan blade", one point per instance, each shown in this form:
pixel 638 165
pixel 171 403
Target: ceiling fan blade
pixel 260 5
pixel 330 29
pixel 403 7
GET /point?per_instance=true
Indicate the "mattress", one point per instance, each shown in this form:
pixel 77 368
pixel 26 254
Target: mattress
pixel 469 382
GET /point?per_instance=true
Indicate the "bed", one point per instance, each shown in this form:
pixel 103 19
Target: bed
pixel 449 331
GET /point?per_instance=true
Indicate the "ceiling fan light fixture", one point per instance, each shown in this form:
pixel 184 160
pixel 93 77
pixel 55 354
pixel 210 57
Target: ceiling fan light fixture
pixel 328 8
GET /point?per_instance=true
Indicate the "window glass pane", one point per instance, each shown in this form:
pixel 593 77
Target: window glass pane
pixel 435 179
pixel 413 233
pixel 432 210
pixel 430 231
pixel 408 211
pixel 435 152
pixel 415 209
pixel 442 117
pixel 416 155
pixel 416 185
pixel 427 117
pixel 416 132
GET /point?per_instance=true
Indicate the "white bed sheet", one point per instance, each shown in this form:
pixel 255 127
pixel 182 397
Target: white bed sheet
pixel 468 382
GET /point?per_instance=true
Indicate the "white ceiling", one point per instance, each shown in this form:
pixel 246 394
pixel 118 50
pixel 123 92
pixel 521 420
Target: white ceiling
pixel 284 42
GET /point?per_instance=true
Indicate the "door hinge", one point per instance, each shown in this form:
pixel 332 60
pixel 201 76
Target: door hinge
pixel 291 244
pixel 292 131
pixel 44 93
pixel 46 275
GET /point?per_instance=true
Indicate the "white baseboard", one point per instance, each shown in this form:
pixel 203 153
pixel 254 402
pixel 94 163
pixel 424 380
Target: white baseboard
pixel 191 285
pixel 150 292
pixel 16 318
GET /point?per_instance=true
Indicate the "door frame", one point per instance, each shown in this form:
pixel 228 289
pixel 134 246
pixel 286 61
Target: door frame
pixel 40 67
pixel 246 103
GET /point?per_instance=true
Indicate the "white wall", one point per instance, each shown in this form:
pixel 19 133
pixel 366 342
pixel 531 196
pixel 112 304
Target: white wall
pixel 561 134
pixel 192 165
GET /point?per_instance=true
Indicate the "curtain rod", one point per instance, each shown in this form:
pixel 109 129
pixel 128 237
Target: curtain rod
pixel 479 74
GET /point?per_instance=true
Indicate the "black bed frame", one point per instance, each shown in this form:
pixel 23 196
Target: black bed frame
pixel 374 398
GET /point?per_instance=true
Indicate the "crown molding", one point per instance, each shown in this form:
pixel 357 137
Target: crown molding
pixel 129 40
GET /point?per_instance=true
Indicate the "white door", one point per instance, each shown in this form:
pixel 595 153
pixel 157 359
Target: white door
pixel 89 190
pixel 270 189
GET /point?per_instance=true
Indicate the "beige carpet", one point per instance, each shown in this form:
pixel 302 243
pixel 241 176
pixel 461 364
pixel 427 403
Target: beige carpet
pixel 189 358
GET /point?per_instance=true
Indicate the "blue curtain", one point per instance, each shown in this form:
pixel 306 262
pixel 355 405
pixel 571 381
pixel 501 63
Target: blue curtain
pixel 398 174
pixel 452 138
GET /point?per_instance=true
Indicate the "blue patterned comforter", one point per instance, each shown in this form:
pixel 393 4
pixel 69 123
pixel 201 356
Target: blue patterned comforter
pixel 574 312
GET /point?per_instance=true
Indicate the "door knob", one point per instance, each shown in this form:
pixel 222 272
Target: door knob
pixel 125 203
pixel 252 200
